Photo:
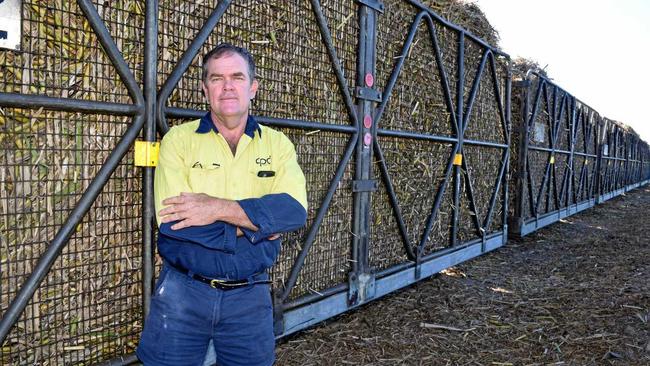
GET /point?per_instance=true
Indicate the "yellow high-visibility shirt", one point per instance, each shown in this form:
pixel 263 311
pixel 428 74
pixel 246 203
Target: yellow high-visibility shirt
pixel 195 158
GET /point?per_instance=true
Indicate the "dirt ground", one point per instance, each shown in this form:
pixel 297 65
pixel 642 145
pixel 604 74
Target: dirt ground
pixel 574 293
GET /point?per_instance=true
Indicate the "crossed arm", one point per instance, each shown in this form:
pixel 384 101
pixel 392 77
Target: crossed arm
pixel 198 209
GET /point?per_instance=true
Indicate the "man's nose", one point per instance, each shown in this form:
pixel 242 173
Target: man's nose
pixel 228 84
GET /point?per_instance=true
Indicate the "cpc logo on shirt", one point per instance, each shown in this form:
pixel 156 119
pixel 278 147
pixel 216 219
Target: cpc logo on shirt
pixel 263 161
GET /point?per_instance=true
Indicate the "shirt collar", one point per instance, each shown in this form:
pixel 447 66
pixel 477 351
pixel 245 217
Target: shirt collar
pixel 206 125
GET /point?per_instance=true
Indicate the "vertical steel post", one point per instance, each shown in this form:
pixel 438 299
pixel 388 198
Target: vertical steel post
pixel 361 278
pixel 150 88
pixel 523 90
pixel 570 189
pixel 509 127
pixel 460 87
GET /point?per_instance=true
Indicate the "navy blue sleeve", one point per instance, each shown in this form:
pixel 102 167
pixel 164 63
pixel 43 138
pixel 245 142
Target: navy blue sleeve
pixel 218 235
pixel 272 214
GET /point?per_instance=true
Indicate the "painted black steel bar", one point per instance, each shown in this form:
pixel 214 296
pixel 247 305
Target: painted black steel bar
pixel 558 196
pixel 547 149
pixel 313 297
pixel 444 81
pixel 15 100
pixel 129 359
pixel 508 129
pixel 436 138
pixel 612 158
pixel 475 86
pixel 456 27
pixel 552 141
pixel 278 122
pixel 438 199
pixel 336 63
pixel 416 136
pixel 68 228
pixel 584 154
pixel 532 205
pixel 394 202
pixel 148 210
pixel 366 65
pixel 582 183
pixel 112 51
pixel 497 185
pixel 388 90
pixel 318 220
pixel 497 96
pixel 470 195
pixel 551 109
pixel 465 123
pixel 520 176
pixel 460 87
pixel 543 188
pixel 185 61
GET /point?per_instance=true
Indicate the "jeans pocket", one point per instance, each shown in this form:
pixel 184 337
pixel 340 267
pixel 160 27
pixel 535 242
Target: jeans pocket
pixel 161 281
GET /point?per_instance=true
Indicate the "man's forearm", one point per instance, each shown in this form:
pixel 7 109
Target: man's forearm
pixel 231 212
pixel 196 209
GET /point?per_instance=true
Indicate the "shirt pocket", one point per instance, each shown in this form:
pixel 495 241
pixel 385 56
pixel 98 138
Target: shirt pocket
pixel 209 181
pixel 261 180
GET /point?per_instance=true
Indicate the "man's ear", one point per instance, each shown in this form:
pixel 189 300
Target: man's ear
pixel 204 89
pixel 254 86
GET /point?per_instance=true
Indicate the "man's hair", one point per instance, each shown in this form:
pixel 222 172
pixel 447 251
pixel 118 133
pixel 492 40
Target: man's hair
pixel 225 49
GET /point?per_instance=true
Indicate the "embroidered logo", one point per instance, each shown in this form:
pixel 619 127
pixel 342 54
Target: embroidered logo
pixel 263 161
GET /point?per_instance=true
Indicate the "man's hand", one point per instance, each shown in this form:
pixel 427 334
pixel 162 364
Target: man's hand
pixel 271 237
pixel 190 209
pixel 195 209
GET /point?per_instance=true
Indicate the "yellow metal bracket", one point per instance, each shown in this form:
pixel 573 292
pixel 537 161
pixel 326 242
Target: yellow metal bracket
pixel 458 159
pixel 146 153
pixel 552 159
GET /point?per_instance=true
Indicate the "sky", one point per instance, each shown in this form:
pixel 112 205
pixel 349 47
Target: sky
pixel 598 50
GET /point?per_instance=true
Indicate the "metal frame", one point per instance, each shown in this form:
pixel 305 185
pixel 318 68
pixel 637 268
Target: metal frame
pixel 617 167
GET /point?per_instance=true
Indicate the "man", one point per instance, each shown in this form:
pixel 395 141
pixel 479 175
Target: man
pixel 225 187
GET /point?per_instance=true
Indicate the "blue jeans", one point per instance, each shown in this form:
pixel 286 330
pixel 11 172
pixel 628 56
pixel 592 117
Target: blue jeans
pixel 187 315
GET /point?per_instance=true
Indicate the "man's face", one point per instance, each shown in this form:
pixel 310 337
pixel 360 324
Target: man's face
pixel 228 87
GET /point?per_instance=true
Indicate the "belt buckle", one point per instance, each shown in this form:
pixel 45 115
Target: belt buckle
pixel 215 283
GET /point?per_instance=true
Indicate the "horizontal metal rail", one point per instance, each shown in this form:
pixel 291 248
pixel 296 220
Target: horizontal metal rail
pixel 15 100
pixel 436 138
pixel 278 122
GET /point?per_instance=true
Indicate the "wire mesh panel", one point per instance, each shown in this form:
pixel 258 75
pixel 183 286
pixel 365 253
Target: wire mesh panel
pixel 295 73
pixel 61 56
pixel 89 306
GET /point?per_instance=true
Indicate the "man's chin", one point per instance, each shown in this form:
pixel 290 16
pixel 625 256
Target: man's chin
pixel 231 113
